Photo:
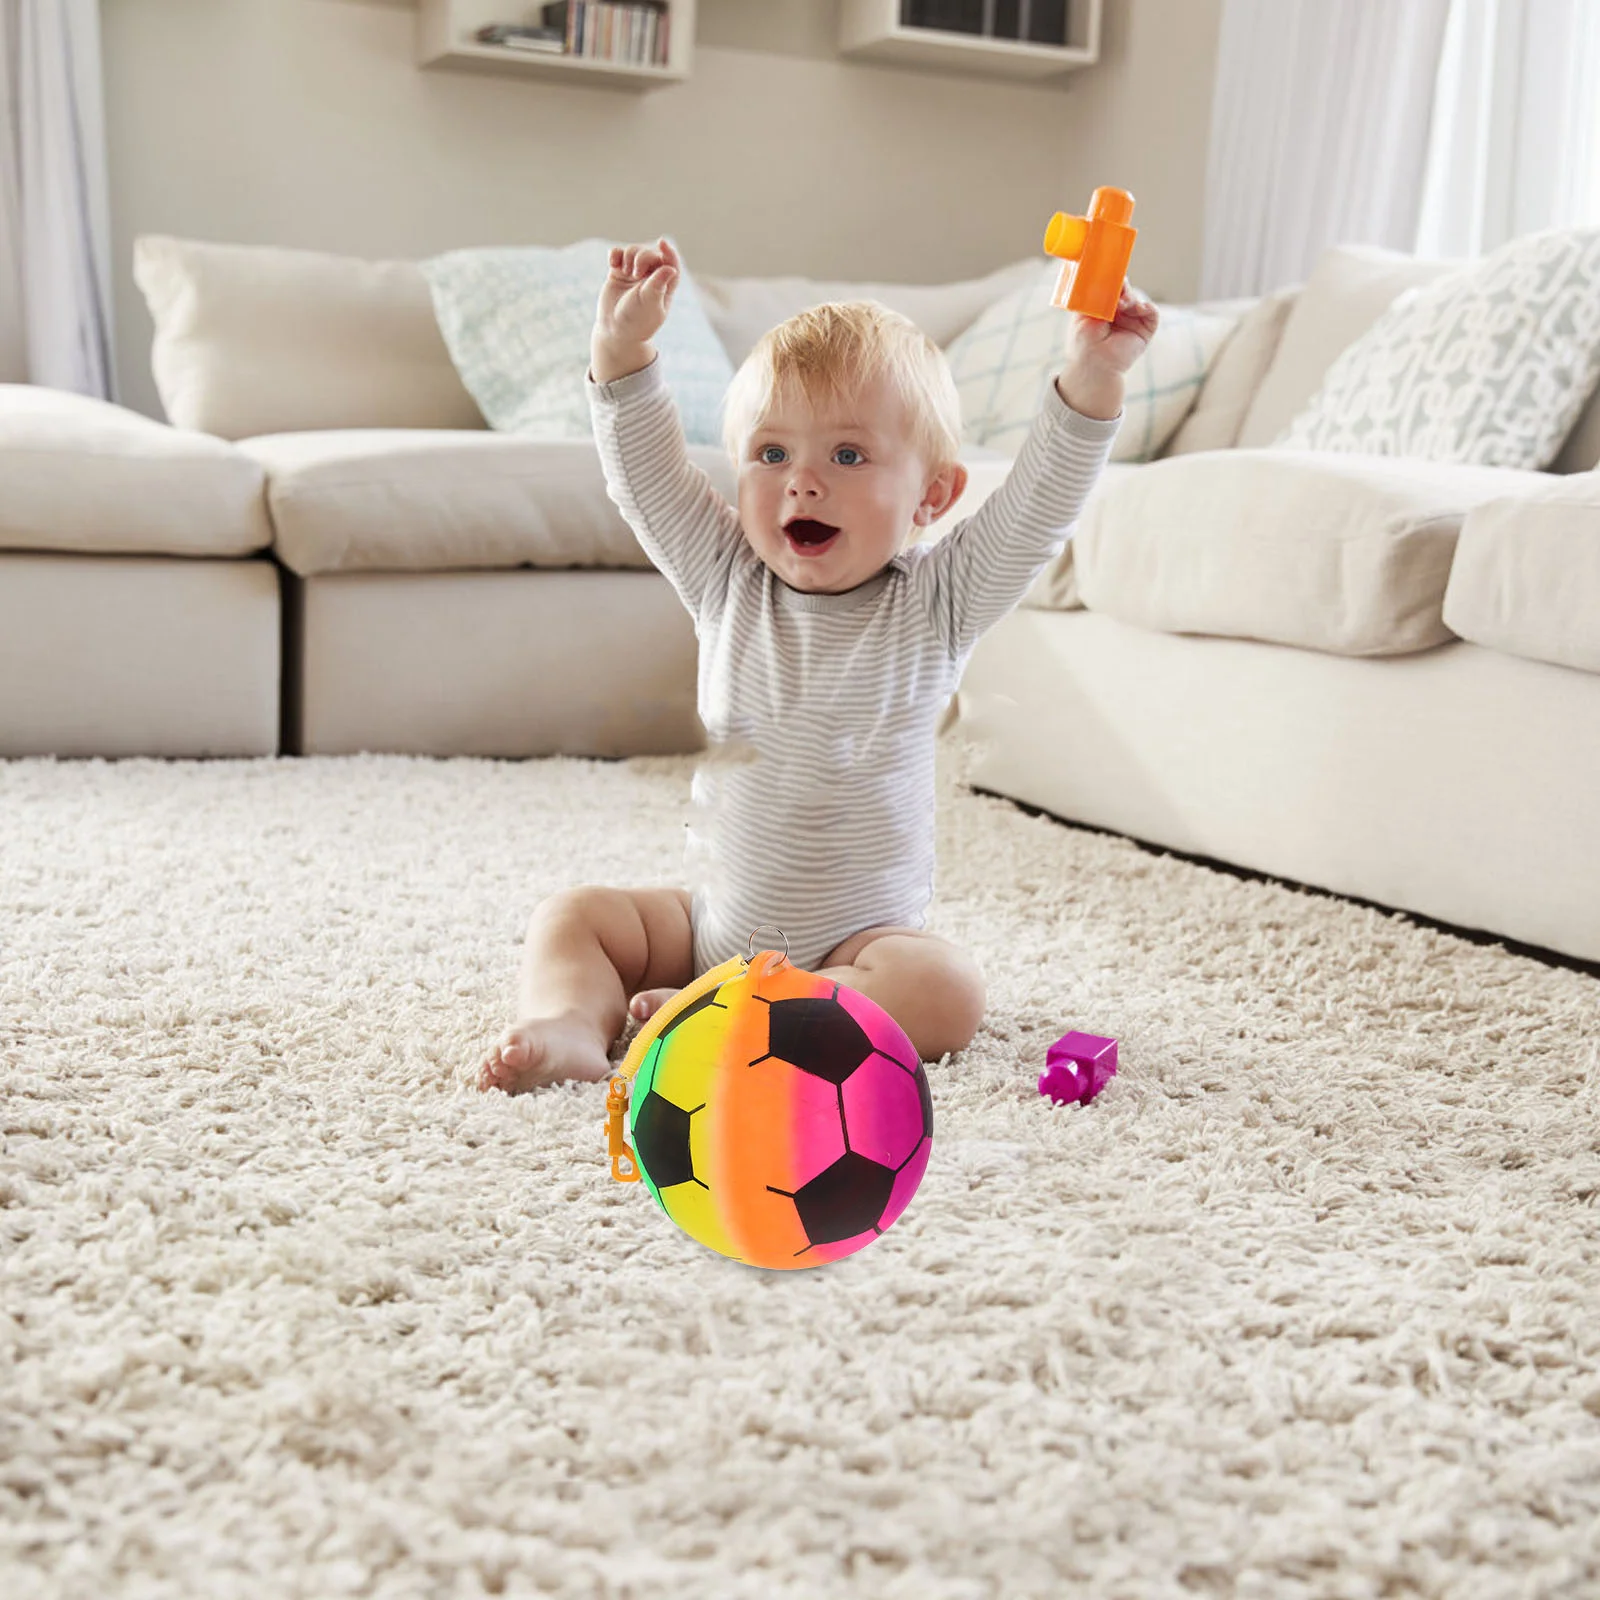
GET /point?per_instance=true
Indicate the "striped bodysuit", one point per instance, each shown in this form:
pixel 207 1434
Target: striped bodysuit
pixel 814 807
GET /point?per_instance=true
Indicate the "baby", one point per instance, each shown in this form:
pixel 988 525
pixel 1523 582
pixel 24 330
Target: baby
pixel 830 645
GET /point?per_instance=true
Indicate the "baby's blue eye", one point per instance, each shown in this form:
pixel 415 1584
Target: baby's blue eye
pixel 848 450
pixel 770 454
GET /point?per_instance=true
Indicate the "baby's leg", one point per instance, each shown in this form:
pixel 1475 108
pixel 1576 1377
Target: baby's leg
pixel 931 987
pixel 587 950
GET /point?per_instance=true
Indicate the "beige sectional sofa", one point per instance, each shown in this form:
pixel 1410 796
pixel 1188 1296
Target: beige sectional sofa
pixel 1368 674
pixel 1375 676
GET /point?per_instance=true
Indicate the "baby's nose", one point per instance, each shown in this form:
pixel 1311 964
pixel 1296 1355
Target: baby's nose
pixel 804 482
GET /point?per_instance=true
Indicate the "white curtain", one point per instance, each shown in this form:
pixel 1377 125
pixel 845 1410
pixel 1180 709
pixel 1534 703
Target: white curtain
pixel 1516 126
pixel 13 335
pixel 1319 134
pixel 55 234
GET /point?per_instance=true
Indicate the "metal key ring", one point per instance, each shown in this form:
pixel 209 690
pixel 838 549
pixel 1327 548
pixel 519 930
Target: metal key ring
pixel 757 929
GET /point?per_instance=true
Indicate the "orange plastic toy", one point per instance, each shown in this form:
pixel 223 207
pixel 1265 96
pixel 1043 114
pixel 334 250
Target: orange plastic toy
pixel 1094 252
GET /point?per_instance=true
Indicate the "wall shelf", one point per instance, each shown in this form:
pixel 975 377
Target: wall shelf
pixel 445 38
pixel 875 30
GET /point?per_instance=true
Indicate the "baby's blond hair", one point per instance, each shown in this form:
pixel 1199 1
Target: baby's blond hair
pixel 829 353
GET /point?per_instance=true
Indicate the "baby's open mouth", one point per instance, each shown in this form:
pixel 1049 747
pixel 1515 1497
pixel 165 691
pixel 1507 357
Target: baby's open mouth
pixel 806 533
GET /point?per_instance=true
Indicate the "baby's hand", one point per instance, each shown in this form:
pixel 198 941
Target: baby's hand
pixel 636 295
pixel 1117 344
pixel 1100 352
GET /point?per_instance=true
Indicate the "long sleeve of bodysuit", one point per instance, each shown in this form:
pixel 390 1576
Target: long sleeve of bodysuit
pixel 979 571
pixel 679 517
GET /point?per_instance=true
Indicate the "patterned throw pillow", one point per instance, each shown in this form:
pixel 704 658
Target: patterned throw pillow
pixel 517 324
pixel 1004 360
pixel 1490 364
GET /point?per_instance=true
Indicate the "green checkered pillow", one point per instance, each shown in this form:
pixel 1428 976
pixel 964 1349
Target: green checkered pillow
pixel 1004 360
pixel 517 323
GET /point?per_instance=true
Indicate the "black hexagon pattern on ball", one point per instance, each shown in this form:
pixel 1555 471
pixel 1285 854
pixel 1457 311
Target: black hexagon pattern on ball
pixel 661 1139
pixel 817 1035
pixel 845 1200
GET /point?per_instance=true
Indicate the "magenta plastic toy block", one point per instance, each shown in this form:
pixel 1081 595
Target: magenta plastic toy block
pixel 1077 1067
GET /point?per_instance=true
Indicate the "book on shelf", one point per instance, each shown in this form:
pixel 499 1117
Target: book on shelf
pixel 632 31
pixel 511 36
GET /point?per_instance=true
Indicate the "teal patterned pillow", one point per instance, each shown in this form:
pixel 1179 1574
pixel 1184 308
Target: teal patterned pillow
pixel 517 321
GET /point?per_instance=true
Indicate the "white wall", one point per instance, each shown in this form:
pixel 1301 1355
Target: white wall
pixel 306 123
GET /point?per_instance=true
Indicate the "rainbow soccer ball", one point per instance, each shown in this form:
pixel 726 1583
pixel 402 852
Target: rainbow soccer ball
pixel 778 1117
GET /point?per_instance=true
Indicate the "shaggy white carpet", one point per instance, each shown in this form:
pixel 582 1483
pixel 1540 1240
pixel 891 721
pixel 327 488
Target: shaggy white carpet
pixel 1304 1305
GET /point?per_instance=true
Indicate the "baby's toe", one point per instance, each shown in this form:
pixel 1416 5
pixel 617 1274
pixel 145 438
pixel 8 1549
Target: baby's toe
pixel 495 1072
pixel 643 1006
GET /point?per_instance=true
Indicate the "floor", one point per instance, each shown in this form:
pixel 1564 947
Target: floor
pixel 1304 1304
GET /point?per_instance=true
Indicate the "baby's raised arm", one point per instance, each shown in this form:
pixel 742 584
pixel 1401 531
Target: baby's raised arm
pixel 683 524
pixel 982 568
pixel 634 301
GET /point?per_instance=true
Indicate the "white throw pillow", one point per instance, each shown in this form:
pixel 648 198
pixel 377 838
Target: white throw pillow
pixel 1234 377
pixel 742 309
pixel 1350 287
pixel 517 323
pixel 250 340
pixel 1490 364
pixel 1004 360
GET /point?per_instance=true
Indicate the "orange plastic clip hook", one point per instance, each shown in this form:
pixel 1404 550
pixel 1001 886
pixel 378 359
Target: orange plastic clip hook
pixel 624 1163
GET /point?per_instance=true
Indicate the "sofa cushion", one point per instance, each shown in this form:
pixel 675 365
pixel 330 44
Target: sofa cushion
pixel 742 309
pixel 397 500
pixel 251 340
pixel 1490 364
pixel 401 500
pixel 1004 361
pixel 1350 287
pixel 518 322
pixel 91 477
pixel 1234 376
pixel 1526 577
pixel 1343 553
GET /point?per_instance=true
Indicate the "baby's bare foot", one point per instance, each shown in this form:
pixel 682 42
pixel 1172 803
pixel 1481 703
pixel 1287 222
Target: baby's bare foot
pixel 644 1005
pixel 545 1050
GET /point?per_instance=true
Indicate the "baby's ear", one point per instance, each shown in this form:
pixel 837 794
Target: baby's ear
pixel 944 488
